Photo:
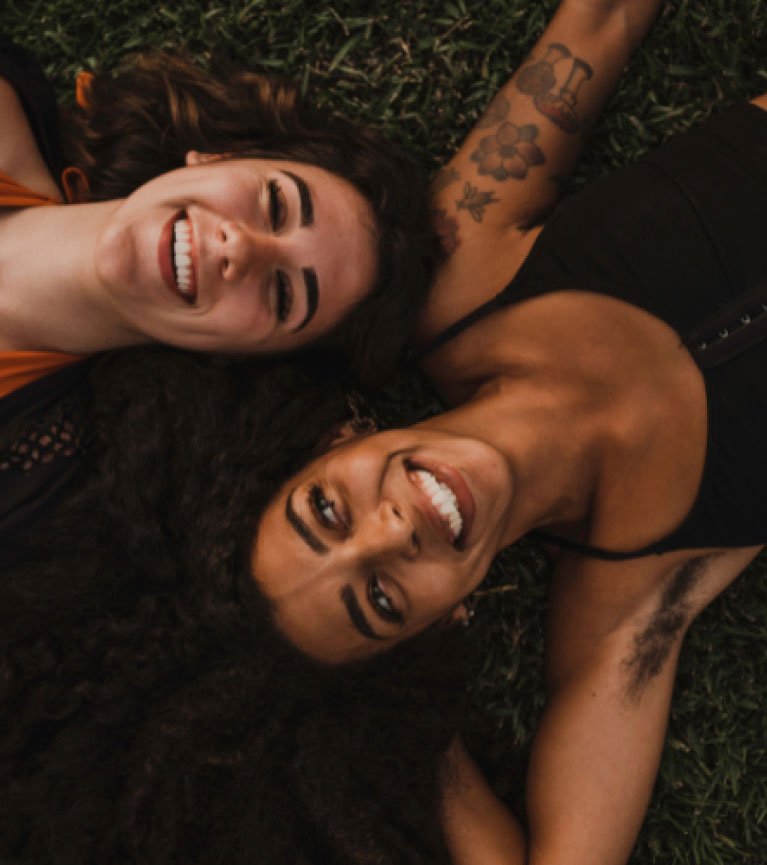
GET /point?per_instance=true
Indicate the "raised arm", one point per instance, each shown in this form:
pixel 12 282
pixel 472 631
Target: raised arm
pixel 530 136
pixel 510 169
pixel 614 637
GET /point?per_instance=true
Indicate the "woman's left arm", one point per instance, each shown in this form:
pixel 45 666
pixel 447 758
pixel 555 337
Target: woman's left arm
pixel 511 166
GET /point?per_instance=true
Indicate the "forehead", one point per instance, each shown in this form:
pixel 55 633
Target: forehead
pixel 305 587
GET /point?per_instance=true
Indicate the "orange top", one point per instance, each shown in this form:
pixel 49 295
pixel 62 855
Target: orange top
pixel 18 368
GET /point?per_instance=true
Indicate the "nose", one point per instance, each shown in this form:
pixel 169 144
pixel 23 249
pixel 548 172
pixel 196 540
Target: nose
pixel 246 250
pixel 389 531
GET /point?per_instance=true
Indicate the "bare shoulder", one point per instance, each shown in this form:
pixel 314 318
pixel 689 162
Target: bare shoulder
pixel 19 155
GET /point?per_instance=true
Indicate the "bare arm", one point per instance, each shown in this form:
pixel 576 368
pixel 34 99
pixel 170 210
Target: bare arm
pixel 530 136
pixel 480 830
pixel 615 632
pixel 510 169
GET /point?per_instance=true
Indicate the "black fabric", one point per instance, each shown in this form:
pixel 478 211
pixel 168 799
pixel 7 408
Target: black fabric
pixel 682 234
pixel 43 441
pixel 23 72
pixel 43 432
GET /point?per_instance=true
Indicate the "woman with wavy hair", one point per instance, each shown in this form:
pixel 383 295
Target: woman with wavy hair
pixel 212 213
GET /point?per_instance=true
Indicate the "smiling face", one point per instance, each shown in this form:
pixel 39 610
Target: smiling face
pixel 380 538
pixel 245 255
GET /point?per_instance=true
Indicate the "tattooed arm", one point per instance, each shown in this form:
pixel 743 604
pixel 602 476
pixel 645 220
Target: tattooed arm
pixel 510 167
pixel 508 172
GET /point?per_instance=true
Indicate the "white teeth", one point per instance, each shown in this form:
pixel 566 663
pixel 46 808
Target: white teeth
pixel 182 260
pixel 443 500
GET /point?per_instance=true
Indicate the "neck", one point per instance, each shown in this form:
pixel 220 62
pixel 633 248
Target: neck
pixel 553 445
pixel 49 292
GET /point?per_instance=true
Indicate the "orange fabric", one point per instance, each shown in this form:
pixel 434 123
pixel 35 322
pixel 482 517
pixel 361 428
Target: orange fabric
pixel 18 368
pixel 82 88
pixel 14 194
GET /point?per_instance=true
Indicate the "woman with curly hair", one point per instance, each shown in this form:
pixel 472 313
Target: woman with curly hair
pixel 152 712
pixel 607 375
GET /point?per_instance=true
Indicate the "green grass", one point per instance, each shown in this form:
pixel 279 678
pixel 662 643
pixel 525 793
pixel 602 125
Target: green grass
pixel 422 71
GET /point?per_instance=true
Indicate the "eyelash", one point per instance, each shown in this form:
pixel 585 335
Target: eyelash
pixel 277 217
pixel 382 603
pixel 277 206
pixel 319 503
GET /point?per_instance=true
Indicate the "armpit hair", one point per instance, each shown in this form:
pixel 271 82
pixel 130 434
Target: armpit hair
pixel 652 645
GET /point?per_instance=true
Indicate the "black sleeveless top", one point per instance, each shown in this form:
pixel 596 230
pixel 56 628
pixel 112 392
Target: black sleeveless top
pixel 681 234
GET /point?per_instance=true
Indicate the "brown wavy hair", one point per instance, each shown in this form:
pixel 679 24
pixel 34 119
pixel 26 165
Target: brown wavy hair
pixel 141 121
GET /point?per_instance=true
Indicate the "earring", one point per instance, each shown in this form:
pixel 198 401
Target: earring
pixel 470 604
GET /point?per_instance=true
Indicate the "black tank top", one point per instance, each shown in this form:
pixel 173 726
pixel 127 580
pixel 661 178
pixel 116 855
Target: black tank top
pixel 681 234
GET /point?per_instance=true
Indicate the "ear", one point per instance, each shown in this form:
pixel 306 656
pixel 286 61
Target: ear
pixel 459 616
pixel 194 157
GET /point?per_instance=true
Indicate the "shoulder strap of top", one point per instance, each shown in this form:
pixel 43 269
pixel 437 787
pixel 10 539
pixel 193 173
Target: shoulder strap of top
pixel 593 552
pixel 459 326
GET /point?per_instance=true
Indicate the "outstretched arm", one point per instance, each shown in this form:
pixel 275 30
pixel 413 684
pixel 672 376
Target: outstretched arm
pixel 530 136
pixel 614 637
pixel 509 171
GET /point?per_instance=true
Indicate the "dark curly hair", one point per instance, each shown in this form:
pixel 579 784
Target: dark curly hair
pixel 141 122
pixel 152 713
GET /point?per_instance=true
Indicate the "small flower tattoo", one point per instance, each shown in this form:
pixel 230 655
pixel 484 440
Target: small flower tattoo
pixel 510 152
pixel 475 201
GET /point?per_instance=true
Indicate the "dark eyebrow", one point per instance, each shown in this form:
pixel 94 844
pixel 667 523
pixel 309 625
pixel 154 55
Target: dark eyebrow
pixel 302 529
pixel 354 610
pixel 304 196
pixel 312 296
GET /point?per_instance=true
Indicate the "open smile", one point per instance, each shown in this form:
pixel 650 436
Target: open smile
pixel 450 503
pixel 177 258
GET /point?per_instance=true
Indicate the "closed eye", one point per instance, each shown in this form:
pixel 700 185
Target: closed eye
pixel 284 296
pixel 278 206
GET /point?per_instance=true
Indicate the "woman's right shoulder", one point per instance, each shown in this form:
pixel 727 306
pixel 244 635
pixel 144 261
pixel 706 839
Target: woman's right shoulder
pixel 20 157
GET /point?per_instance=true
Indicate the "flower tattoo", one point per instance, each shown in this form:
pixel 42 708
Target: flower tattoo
pixel 510 152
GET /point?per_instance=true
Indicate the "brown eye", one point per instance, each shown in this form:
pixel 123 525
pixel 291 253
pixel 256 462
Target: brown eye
pixel 382 603
pixel 324 509
pixel 278 208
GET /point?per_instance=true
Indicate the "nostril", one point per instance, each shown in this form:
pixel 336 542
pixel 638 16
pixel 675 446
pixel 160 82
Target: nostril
pixel 397 512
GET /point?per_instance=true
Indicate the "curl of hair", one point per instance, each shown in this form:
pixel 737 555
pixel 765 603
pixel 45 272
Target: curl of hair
pixel 141 121
pixel 152 712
